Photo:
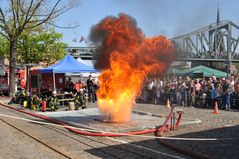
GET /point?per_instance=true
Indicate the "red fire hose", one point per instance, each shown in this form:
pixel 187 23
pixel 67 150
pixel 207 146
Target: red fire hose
pixel 176 148
pixel 80 131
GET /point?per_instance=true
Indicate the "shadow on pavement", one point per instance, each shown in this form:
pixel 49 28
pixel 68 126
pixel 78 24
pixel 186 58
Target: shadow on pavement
pixel 226 144
pixel 134 150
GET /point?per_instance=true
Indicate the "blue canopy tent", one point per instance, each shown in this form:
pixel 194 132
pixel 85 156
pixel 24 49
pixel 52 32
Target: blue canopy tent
pixel 67 65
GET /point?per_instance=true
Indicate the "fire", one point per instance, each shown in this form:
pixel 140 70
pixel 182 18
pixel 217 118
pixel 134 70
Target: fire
pixel 126 58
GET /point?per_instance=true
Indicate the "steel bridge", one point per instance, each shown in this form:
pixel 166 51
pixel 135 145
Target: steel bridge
pixel 82 52
pixel 217 42
pixel 214 43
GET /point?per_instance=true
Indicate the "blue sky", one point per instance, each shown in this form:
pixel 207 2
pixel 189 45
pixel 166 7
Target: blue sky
pixel 155 17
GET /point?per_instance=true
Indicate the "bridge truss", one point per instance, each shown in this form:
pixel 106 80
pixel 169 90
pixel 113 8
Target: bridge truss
pixel 217 42
pixel 214 43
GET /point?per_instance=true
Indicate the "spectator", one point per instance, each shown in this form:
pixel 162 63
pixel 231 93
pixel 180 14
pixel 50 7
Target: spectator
pixel 178 96
pixel 236 93
pixel 197 88
pixel 218 90
pixel 69 85
pixel 192 94
pixel 159 85
pixel 91 89
pixel 213 94
pixel 226 94
pixel 96 87
pixel 183 90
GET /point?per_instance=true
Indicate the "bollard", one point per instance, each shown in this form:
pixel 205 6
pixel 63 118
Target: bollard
pixel 71 106
pixel 44 106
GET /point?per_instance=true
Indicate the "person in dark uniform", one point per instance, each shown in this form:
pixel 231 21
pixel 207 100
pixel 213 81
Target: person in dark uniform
pixel 69 85
pixel 91 89
pixel 53 101
pixel 34 102
pixel 80 100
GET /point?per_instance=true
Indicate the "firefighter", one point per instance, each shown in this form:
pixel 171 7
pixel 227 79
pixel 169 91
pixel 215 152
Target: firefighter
pixel 53 102
pixel 80 100
pixel 28 100
pixel 34 102
pixel 24 98
pixel 21 96
pixel 15 98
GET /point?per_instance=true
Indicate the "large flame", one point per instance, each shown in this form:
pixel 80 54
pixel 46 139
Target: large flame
pixel 126 58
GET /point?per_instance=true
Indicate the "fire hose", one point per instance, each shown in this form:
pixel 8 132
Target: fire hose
pixel 80 131
pixel 159 131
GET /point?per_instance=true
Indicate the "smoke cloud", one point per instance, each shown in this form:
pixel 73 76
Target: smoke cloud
pixel 122 40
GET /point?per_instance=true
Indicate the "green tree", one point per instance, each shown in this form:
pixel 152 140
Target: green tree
pixel 17 16
pixel 4 47
pixel 40 46
pixel 36 46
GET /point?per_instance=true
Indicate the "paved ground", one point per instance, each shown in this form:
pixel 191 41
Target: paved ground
pixel 220 126
pixel 223 127
pixel 93 119
pixel 70 144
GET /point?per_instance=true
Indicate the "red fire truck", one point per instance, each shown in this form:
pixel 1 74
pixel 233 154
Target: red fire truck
pixel 4 78
pixel 3 81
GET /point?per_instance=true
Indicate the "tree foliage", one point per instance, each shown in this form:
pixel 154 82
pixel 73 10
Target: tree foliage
pixel 18 16
pixel 41 46
pixel 4 47
pixel 36 46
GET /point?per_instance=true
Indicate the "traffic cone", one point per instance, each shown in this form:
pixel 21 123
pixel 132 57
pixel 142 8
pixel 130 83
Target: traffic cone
pixel 168 104
pixel 216 108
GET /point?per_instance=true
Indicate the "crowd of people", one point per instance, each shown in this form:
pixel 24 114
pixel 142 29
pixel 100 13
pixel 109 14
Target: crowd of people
pixel 185 91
